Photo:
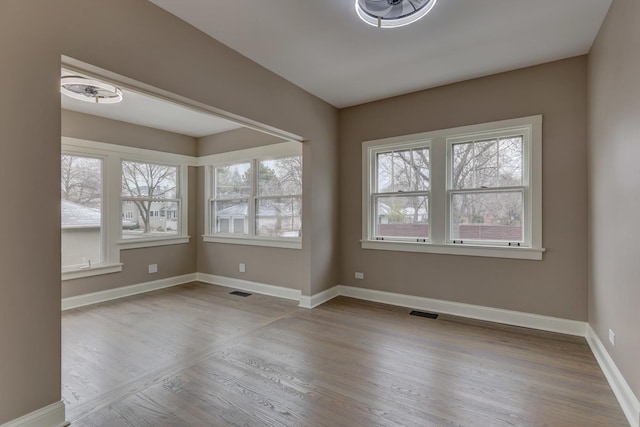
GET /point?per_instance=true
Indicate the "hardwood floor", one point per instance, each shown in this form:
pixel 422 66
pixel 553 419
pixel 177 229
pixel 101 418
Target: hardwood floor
pixel 194 355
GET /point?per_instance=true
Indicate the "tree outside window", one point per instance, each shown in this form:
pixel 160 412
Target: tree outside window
pixel 155 205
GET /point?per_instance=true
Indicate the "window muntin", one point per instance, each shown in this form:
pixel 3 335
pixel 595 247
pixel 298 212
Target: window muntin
pixel 82 231
pixel 153 190
pixel 400 197
pixel 263 205
pixel 488 189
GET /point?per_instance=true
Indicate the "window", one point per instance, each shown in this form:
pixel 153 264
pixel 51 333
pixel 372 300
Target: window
pixel 400 195
pixel 232 192
pixel 114 198
pixel 474 190
pixel 81 189
pixel 279 197
pixel 151 188
pixel 487 189
pixel 255 196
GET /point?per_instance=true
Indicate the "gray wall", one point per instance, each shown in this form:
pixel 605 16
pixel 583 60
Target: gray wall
pixel 172 260
pixel 233 140
pixel 555 286
pixel 93 128
pixel 614 186
pixel 150 46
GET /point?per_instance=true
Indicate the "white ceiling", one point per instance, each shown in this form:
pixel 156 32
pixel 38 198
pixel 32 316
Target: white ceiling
pixel 145 110
pixel 323 47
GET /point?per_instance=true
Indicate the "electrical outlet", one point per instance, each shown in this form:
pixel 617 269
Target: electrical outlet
pixel 612 338
pixel 153 268
pixel 359 275
pixel 243 268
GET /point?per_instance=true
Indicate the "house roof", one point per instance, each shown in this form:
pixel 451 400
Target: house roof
pixel 242 209
pixel 74 215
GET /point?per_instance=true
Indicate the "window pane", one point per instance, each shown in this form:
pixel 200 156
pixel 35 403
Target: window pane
pixel 511 161
pixel 229 214
pixel 487 163
pixel 279 217
pixel 487 216
pixel 224 225
pixel 149 180
pixel 402 216
pixel 403 170
pixel 233 181
pixel 150 218
pixel 280 177
pixel 81 210
pixel 239 225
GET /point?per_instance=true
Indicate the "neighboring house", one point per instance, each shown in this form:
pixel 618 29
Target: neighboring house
pixel 271 221
pixel 80 234
pixel 163 214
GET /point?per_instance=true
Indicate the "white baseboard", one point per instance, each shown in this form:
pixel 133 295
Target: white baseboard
pixel 508 317
pixel 53 415
pixel 255 287
pixel 49 416
pixel 125 291
pixel 319 298
pixel 621 389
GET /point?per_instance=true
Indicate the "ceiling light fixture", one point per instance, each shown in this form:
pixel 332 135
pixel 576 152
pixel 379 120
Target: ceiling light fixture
pixel 89 90
pixel 392 13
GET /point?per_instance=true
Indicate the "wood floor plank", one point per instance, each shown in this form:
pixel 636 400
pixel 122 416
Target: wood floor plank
pixel 193 355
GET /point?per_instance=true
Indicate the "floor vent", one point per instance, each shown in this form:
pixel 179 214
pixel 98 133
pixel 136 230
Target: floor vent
pixel 241 294
pixel 424 314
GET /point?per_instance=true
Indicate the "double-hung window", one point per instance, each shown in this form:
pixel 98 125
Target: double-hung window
pixel 231 197
pixel 114 198
pixel 255 196
pixel 474 190
pixel 81 209
pixel 279 197
pixel 488 188
pixel 400 193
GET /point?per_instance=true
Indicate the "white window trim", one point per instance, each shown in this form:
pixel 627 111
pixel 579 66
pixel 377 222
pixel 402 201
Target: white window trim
pixel 113 243
pixel 439 142
pixel 91 271
pixel 249 155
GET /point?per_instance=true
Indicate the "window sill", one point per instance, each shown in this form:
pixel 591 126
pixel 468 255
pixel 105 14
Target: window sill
pixel 273 243
pixel 147 242
pixel 465 250
pixel 91 271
